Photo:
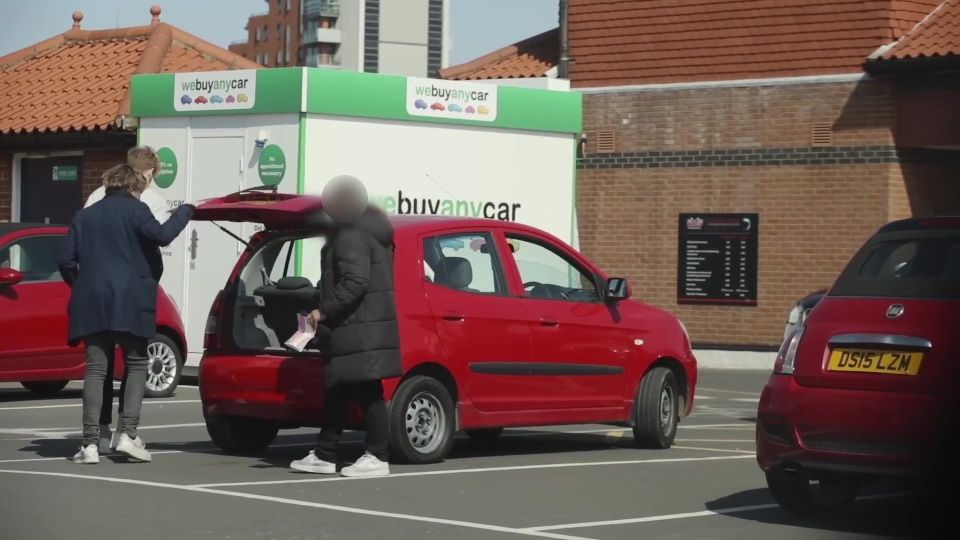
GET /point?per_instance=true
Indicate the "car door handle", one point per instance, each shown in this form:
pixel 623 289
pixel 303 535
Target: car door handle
pixel 547 321
pixel 452 316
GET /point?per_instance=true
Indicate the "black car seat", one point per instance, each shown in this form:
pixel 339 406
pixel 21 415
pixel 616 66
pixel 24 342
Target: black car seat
pixel 459 273
pixel 283 300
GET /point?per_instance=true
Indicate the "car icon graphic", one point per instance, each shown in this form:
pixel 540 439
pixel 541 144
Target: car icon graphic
pixel 420 104
pixel 185 100
pixel 242 98
pixel 200 100
pixel 437 107
pixel 231 99
pixel 216 99
pixel 455 108
pixel 482 109
pixel 470 109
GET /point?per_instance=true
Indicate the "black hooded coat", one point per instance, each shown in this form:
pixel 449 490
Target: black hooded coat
pixel 356 293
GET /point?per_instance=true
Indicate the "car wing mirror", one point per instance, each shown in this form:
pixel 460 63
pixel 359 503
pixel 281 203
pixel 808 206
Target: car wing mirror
pixel 617 289
pixel 9 276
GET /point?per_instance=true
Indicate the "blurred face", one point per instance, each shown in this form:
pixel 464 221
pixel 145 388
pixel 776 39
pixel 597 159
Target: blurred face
pixel 344 199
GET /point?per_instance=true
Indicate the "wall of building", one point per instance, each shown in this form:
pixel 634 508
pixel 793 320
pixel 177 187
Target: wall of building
pixel 282 13
pixel 739 149
pixel 6 186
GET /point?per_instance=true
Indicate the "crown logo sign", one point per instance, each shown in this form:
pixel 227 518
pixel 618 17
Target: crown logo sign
pixel 695 223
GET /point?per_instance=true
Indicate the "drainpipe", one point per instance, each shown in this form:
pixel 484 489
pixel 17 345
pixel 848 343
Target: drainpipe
pixel 563 66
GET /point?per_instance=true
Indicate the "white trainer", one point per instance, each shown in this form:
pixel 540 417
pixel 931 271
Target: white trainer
pixel 313 464
pixel 133 448
pixel 107 439
pixel 366 467
pixel 87 455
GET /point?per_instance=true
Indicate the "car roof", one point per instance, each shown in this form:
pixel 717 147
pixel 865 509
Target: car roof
pixel 7 228
pixel 416 224
pixel 932 222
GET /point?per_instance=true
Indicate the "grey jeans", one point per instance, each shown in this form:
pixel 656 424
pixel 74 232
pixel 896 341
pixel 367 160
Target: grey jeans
pixel 100 347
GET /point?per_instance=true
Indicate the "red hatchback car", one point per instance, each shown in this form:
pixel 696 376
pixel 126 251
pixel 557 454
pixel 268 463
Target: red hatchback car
pixel 863 389
pixel 33 319
pixel 501 325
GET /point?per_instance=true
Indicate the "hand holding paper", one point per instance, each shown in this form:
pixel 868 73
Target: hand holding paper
pixel 304 334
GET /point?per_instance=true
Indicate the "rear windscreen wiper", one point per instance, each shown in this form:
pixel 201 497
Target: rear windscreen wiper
pixel 228 231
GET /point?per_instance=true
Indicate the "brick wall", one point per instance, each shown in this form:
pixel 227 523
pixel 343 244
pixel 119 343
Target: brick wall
pixel 739 150
pixel 95 163
pixel 6 186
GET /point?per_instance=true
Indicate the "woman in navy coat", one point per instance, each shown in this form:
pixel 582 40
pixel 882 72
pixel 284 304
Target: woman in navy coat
pixel 112 262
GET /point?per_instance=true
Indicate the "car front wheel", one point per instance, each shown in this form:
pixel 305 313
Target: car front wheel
pixel 239 435
pixel 44 388
pixel 164 367
pixel 421 421
pixel 656 413
pixel 803 496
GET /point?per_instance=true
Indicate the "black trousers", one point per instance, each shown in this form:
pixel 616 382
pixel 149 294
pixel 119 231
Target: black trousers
pixel 370 396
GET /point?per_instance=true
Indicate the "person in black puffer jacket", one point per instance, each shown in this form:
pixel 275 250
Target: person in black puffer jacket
pixel 356 303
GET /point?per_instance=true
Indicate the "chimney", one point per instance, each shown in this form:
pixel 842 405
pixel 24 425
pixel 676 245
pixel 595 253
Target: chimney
pixel 77 17
pixel 155 15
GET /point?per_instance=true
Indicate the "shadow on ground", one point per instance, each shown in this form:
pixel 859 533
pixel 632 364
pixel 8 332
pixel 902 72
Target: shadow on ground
pixel 872 518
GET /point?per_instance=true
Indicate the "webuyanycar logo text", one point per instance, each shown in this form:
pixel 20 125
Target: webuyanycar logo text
pixel 215 90
pixel 451 99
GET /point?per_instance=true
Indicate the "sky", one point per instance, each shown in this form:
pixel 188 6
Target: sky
pixel 477 26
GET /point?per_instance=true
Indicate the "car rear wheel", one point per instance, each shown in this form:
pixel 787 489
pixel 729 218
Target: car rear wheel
pixel 485 436
pixel 421 421
pixel 656 410
pixel 239 435
pixel 803 496
pixel 44 388
pixel 164 367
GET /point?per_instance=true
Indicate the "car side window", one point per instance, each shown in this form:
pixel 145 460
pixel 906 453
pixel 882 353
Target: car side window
pixel 463 262
pixel 550 275
pixel 35 257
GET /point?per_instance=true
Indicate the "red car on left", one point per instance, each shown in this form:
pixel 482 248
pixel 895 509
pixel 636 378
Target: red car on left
pixel 33 319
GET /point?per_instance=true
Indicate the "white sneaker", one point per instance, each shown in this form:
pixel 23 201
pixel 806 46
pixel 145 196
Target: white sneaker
pixel 87 455
pixel 115 440
pixel 133 448
pixel 367 466
pixel 107 439
pixel 313 464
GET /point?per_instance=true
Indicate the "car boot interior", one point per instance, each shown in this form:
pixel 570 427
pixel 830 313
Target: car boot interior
pixel 269 298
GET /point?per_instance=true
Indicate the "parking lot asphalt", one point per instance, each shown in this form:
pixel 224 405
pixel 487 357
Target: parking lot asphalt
pixel 559 482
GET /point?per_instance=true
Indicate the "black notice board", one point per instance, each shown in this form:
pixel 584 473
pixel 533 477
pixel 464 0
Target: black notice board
pixel 717 259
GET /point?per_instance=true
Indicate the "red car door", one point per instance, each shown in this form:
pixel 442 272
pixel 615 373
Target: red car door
pixel 33 312
pixel 484 329
pixel 578 340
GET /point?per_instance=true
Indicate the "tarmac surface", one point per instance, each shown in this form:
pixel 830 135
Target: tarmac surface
pixel 563 482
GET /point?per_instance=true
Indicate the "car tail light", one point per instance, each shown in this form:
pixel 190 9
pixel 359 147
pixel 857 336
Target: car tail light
pixel 211 334
pixel 787 355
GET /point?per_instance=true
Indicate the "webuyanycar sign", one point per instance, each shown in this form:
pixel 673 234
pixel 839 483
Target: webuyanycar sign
pixel 215 90
pixel 451 99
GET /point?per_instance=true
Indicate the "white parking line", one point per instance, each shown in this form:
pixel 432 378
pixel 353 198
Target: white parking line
pixel 739 392
pixel 479 470
pixel 307 504
pixel 67 432
pixel 704 513
pixel 746 400
pixel 152 452
pixel 67 405
pixel 723 450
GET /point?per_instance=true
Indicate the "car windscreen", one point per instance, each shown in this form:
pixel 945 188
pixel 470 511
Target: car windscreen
pixel 908 264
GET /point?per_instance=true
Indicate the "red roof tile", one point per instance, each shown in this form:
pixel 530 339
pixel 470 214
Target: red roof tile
pixel 532 57
pixel 937 35
pixel 621 42
pixel 79 80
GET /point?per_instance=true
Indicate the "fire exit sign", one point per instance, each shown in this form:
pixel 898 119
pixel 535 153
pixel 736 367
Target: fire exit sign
pixel 65 173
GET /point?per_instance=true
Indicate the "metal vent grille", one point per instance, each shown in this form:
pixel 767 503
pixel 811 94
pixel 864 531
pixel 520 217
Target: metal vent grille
pixel 606 142
pixel 821 134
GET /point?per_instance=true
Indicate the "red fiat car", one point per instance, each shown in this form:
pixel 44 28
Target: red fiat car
pixel 501 325
pixel 862 390
pixel 33 319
